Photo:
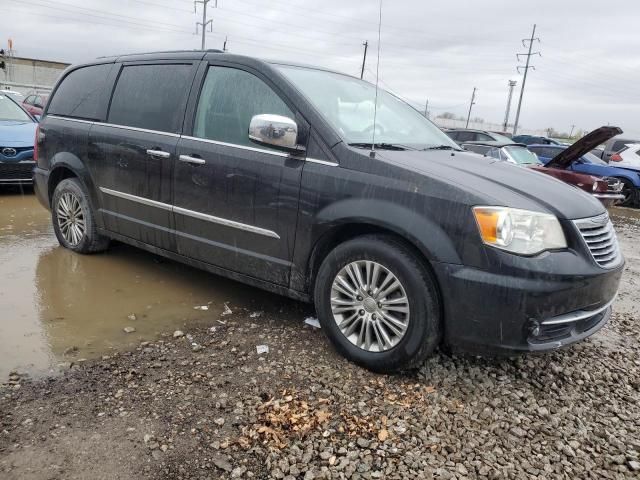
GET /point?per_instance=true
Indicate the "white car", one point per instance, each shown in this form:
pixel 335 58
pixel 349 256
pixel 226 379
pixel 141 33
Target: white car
pixel 628 157
pixel 16 95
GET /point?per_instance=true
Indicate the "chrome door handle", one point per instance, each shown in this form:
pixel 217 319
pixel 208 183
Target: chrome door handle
pixel 158 153
pixel 192 160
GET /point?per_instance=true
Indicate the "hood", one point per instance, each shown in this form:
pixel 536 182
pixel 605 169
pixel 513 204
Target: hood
pixel 17 134
pixel 494 182
pixel 584 145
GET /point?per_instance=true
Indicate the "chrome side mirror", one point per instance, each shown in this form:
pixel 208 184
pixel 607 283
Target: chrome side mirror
pixel 275 131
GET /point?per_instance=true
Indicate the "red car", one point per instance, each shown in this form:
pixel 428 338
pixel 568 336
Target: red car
pixel 34 103
pixel 607 190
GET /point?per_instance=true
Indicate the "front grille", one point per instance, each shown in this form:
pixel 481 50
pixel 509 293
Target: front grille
pixel 16 171
pixel 600 238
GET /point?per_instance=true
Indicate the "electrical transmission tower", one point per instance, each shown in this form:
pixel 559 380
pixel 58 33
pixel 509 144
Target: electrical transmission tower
pixel 526 70
pixel 204 22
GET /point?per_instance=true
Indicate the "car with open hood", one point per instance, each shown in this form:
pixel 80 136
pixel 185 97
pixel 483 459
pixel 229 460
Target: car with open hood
pixel 578 158
pixel 319 186
pixel 17 135
pixel 607 190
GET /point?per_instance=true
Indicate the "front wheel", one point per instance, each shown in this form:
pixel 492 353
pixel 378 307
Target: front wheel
pixel 73 218
pixel 378 304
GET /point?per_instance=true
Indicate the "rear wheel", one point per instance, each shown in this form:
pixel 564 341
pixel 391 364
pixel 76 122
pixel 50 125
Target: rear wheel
pixel 378 304
pixel 74 220
pixel 630 193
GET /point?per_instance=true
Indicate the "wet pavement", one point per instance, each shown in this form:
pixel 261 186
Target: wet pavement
pixel 57 306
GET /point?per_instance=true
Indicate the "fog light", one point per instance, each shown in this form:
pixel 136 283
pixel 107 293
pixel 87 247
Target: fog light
pixel 534 328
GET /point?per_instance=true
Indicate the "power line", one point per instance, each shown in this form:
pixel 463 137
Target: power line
pixel 526 70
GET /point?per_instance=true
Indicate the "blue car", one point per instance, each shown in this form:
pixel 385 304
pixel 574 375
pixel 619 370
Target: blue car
pixel 17 135
pixel 554 156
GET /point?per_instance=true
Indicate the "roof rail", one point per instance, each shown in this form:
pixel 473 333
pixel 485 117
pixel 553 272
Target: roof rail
pixel 210 50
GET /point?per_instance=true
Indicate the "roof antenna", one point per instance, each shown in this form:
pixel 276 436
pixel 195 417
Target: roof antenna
pixel 372 154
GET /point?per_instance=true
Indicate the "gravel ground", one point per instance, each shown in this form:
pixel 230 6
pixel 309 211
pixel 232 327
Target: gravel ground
pixel 204 404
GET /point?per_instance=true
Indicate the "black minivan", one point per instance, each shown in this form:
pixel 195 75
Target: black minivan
pixel 287 178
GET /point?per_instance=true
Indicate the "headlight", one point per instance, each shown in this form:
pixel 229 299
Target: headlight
pixel 519 231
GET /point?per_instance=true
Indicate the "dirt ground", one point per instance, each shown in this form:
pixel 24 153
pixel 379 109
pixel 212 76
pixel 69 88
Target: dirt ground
pixel 197 400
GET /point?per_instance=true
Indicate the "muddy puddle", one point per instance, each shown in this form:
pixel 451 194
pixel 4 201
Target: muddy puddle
pixel 57 306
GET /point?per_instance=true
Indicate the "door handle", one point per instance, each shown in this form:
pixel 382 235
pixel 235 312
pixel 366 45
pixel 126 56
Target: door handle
pixel 192 160
pixel 158 153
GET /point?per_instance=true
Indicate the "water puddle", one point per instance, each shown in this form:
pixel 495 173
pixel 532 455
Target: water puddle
pixel 58 306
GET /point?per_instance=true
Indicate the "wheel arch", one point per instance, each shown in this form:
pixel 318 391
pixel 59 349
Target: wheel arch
pixel 66 165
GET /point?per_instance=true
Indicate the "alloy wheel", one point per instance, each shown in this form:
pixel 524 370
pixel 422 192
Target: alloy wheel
pixel 71 220
pixel 370 306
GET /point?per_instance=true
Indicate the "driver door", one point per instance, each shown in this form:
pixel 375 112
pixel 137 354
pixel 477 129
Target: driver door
pixel 236 203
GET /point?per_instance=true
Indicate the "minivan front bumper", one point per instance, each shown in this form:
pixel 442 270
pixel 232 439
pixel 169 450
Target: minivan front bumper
pixel 494 313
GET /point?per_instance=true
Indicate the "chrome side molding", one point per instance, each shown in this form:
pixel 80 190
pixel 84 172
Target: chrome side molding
pixel 192 213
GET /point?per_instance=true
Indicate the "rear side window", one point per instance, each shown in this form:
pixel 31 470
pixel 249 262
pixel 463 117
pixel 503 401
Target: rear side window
pixel 619 145
pixel 466 136
pixel 483 138
pixel 152 97
pixel 229 98
pixel 81 93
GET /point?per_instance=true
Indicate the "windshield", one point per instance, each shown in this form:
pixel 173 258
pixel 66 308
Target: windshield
pixel 10 111
pixel 591 158
pixel 523 156
pixel 347 104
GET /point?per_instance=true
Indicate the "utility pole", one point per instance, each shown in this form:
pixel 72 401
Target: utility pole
pixel 204 22
pixel 473 97
pixel 571 134
pixel 224 46
pixel 364 59
pixel 426 109
pixel 512 83
pixel 526 70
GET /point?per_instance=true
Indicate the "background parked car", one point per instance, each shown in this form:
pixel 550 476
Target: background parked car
pixel 463 135
pixel 586 162
pixel 17 135
pixel 608 191
pixel 536 140
pixel 34 104
pixel 614 145
pixel 628 157
pixel 16 95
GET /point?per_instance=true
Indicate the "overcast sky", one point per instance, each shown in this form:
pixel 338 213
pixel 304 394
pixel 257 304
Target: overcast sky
pixel 588 74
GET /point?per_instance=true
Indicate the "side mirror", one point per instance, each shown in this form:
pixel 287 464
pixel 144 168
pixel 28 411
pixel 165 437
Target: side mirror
pixel 275 131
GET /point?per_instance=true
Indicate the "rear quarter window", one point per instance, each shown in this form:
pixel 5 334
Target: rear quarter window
pixel 152 97
pixel 81 93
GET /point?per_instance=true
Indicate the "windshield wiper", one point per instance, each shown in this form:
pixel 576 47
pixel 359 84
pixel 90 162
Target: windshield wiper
pixel 442 147
pixel 381 146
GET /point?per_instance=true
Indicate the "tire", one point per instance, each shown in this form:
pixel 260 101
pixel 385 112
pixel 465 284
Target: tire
pixel 630 192
pixel 74 220
pixel 409 346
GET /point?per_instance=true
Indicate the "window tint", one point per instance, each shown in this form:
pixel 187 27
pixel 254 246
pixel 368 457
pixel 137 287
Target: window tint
pixel 453 135
pixel 483 138
pixel 151 97
pixel 229 98
pixel 81 93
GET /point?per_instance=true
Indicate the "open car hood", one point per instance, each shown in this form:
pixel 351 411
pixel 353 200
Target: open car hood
pixel 582 146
